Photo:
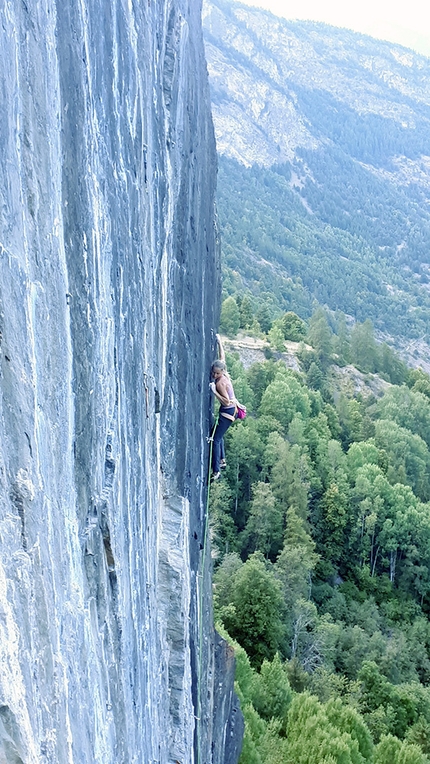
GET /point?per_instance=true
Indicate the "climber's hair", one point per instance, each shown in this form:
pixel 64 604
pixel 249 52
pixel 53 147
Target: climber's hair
pixel 218 366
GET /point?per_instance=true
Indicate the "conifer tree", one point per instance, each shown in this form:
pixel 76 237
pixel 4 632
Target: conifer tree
pixel 315 376
pixel 271 691
pixel 276 337
pixel 246 313
pixel 341 341
pixel 320 337
pixel 222 525
pixel 230 317
pixel 255 619
pixel 290 478
pixel 264 317
pixel 296 561
pixel 334 517
pixel 263 529
pixel 363 346
pixel 391 750
pixel 312 737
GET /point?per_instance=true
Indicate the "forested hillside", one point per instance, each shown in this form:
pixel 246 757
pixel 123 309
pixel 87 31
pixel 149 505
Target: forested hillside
pixel 321 521
pixel 324 172
pixel 321 531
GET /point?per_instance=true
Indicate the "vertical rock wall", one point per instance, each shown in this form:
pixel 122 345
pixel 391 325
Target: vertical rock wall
pixel 109 289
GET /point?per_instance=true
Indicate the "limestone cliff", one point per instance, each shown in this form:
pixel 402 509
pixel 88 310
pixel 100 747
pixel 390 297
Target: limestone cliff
pixel 109 292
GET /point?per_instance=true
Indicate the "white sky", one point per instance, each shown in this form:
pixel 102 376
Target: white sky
pixel 403 21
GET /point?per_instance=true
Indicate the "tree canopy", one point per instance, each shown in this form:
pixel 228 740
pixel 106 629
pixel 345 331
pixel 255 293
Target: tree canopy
pixel 322 529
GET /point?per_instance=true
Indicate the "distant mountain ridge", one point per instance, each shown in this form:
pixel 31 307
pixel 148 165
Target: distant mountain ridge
pixel 324 184
pixel 260 65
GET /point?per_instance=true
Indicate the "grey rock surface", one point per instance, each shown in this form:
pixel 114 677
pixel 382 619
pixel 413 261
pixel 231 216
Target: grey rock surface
pixel 109 292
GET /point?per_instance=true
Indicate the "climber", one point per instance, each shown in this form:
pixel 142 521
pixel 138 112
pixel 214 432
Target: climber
pixel 223 390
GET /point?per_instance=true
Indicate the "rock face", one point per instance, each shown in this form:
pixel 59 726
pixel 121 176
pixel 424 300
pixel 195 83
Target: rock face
pixel 109 291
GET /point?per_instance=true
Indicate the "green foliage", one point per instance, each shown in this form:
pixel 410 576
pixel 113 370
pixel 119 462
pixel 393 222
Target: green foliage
pixel 335 499
pixel 389 365
pixel 307 357
pixel 320 337
pixel 408 409
pixel 254 731
pixel 242 388
pixel 276 337
pixel 342 256
pixel 283 398
pixel 333 520
pixel 290 473
pixel 246 312
pixel 332 487
pixel 245 450
pixel 363 347
pixel 419 734
pixel 347 719
pixel 360 454
pixel 259 375
pixel 293 326
pixel 264 699
pixel 305 643
pixel 224 576
pixel 315 376
pixel 387 751
pixel 221 522
pixel 399 707
pixel 326 733
pixel 352 420
pixel 264 316
pixel 254 617
pixel 408 457
pixel 419 381
pixel 296 560
pixel 263 530
pixel 230 317
pixel 341 341
pixel 271 691
pixel 391 751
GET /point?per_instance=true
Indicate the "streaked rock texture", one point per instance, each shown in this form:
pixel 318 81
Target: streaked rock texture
pixel 109 290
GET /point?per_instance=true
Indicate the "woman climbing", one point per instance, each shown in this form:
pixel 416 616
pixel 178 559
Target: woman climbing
pixel 223 390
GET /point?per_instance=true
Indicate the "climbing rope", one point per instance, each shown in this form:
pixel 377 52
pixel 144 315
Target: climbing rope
pixel 201 575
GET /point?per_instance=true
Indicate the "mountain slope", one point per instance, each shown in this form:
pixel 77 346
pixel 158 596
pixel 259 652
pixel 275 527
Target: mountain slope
pixel 324 143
